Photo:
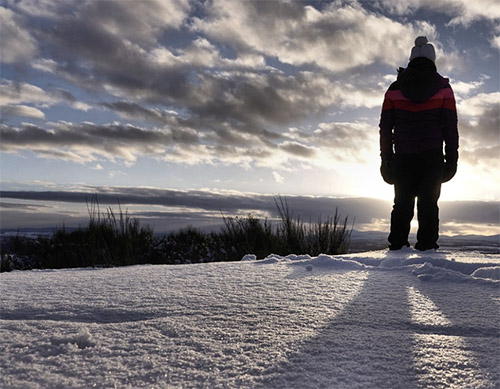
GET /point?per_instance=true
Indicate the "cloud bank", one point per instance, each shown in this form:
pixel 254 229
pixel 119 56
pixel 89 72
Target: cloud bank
pixel 168 209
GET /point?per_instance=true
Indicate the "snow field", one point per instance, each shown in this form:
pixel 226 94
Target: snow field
pixel 377 319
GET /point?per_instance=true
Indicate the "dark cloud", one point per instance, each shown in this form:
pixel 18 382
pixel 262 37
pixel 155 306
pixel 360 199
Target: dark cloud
pixel 483 128
pixel 91 48
pixel 226 131
pixel 487 157
pixel 231 203
pixel 460 12
pixel 205 207
pixel 32 136
pixel 92 57
pixel 480 132
pixel 17 44
pixel 471 212
pixel 178 138
pixel 8 205
pixel 141 22
pixel 91 54
pixel 489 125
pixel 64 95
pixel 14 219
pixel 270 98
pixel 226 101
pixel 82 141
pixel 297 149
pixel 137 111
pixel 351 135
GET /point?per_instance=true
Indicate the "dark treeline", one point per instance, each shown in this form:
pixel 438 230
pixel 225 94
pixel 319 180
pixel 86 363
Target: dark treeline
pixel 117 239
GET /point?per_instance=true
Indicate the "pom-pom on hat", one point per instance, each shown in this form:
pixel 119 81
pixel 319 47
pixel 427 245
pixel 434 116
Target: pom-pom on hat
pixel 423 48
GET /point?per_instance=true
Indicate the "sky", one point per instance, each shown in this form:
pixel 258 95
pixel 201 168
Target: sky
pixel 228 100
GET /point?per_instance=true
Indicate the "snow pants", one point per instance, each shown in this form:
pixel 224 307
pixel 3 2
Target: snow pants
pixel 416 176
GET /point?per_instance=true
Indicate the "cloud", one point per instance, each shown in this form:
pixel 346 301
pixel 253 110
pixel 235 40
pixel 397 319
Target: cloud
pixel 278 178
pixel 68 98
pixel 259 99
pixel 344 141
pixel 483 129
pixel 106 44
pixel 132 110
pixel 169 209
pixel 88 48
pixel 193 79
pixel 201 53
pixel 43 8
pixel 495 40
pixel 476 105
pixel 21 110
pixel 21 92
pixel 297 149
pixel 460 11
pixel 144 22
pixel 18 94
pixel 87 142
pixel 479 124
pixel 485 212
pixel 463 89
pixel 336 38
pixel 212 202
pixel 24 206
pixel 191 141
pixel 228 95
pixel 17 45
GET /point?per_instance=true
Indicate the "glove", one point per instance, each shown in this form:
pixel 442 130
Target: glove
pixel 450 168
pixel 386 168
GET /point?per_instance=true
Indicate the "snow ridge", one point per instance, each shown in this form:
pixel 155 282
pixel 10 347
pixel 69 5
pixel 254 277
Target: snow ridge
pixel 429 265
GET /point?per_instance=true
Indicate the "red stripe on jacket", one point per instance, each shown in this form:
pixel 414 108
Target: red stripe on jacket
pixel 394 99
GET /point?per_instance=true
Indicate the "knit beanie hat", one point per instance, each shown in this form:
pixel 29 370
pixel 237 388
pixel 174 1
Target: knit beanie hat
pixel 423 48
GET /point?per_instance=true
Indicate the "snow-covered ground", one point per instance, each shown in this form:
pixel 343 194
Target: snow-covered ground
pixel 368 320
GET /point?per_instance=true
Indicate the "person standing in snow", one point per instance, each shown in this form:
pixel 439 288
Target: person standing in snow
pixel 418 115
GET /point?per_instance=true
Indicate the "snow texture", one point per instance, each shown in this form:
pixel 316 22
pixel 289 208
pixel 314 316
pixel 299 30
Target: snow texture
pixel 369 320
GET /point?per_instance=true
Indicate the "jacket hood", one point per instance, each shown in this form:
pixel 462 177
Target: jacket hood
pixel 420 80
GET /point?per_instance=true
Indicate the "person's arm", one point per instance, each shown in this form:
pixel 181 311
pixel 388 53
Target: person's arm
pixel 450 133
pixel 386 151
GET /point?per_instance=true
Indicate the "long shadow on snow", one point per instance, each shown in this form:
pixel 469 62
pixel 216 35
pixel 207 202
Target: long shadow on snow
pixel 87 314
pixel 473 311
pixel 369 344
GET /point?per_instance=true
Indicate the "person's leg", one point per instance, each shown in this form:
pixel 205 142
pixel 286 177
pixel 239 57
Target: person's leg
pixel 428 194
pixel 404 201
pixel 428 221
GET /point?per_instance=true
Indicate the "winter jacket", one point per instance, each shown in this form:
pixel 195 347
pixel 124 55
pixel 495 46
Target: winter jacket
pixel 419 113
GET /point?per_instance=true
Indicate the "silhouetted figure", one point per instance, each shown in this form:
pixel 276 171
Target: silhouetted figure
pixel 418 115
